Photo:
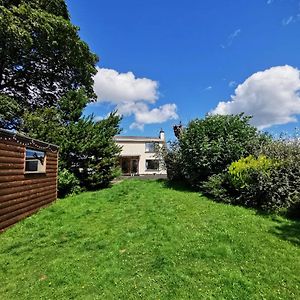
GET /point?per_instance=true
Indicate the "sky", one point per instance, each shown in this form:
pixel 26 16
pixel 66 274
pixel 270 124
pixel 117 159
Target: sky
pixel 163 61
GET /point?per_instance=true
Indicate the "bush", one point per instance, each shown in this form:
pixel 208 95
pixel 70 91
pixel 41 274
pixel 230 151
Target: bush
pixel 218 187
pixel 241 171
pixel 209 146
pixel 173 162
pixel 68 184
pixel 265 183
pixel 282 187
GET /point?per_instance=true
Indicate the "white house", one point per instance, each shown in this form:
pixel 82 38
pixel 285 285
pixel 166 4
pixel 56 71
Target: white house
pixel 138 154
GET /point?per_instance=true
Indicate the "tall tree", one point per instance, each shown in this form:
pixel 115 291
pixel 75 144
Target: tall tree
pixel 87 148
pixel 41 54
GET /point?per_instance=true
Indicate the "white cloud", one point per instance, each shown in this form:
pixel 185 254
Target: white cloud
pixel 112 86
pixel 132 96
pixel 272 97
pixel 288 20
pixel 156 115
pixel 269 1
pixel 231 38
pixel 208 88
pixel 98 118
pixel 232 83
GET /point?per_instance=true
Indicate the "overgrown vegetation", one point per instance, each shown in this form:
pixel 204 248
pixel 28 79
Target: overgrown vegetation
pixel 148 240
pixel 46 81
pixel 42 57
pixel 210 145
pixel 228 159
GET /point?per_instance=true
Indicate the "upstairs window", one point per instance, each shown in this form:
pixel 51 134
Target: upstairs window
pixel 35 161
pixel 150 147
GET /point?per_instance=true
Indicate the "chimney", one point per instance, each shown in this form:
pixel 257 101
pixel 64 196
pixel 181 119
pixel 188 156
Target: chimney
pixel 162 135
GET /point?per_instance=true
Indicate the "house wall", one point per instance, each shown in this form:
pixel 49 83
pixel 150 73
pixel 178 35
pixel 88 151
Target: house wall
pixel 23 194
pixel 137 148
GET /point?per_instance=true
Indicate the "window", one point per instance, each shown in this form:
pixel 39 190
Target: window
pixel 35 161
pixel 150 147
pixel 152 164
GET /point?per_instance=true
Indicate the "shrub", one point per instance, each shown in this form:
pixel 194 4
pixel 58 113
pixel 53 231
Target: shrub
pixel 241 171
pixel 266 183
pixel 282 187
pixel 210 145
pixel 218 187
pixel 68 184
pixel 173 162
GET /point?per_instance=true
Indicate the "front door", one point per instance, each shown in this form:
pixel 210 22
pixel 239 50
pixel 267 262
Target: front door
pixel 130 165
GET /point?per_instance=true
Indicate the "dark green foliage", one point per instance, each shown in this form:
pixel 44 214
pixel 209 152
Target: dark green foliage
pixel 87 148
pixel 281 188
pixel 173 160
pixel 41 54
pixel 208 146
pixel 68 184
pixel 9 112
pixel 55 7
pixel 270 184
pixel 218 187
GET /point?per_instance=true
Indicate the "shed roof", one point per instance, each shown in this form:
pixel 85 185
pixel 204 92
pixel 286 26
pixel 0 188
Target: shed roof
pixel 19 138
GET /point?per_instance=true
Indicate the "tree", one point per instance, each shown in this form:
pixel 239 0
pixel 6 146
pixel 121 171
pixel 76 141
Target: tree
pixel 42 57
pixel 208 146
pixel 9 112
pixel 87 148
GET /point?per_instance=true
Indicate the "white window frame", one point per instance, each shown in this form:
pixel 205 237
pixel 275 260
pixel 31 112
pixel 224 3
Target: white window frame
pixel 154 146
pixel 146 165
pixel 40 160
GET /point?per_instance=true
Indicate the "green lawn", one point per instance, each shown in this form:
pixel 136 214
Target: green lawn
pixel 144 240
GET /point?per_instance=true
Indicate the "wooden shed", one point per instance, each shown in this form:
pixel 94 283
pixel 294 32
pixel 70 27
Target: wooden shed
pixel 28 176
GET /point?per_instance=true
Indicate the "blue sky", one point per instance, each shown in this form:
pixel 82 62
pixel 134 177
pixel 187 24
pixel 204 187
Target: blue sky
pixel 187 56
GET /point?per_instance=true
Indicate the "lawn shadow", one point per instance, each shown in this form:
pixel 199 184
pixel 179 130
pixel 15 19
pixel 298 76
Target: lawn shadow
pixel 288 231
pixel 176 185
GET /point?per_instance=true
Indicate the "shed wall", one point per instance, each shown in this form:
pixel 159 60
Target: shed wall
pixel 23 194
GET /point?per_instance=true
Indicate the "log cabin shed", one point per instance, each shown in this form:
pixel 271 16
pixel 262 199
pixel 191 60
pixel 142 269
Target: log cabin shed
pixel 28 176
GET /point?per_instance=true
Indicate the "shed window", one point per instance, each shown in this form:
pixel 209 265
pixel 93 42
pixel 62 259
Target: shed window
pixel 150 147
pixel 152 164
pixel 35 161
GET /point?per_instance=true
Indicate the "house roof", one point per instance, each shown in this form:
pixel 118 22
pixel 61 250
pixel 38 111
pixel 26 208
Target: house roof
pixel 120 138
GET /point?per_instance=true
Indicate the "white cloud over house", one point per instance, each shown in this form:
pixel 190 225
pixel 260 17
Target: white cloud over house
pixel 272 97
pixel 132 96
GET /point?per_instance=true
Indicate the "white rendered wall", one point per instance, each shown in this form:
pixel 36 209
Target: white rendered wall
pixel 136 148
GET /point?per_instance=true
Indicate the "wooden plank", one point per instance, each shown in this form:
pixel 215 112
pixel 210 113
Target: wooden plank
pixel 25 176
pixel 5 224
pixel 15 207
pixel 11 147
pixel 11 172
pixel 10 166
pixel 13 154
pixel 24 199
pixel 26 187
pixel 26 181
pixel 51 162
pixel 13 196
pixel 24 210
pixel 4 159
pixel 51 155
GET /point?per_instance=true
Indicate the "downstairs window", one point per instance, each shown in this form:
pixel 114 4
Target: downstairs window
pixel 152 164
